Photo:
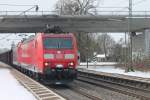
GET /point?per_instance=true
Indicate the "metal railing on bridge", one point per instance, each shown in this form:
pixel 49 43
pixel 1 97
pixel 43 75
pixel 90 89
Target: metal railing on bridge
pixel 5 13
pixel 111 13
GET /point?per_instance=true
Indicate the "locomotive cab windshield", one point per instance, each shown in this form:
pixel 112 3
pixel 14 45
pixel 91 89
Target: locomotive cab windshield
pixel 58 43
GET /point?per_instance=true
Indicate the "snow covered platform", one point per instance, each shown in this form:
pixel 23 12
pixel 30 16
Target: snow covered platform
pixel 16 86
pixel 98 63
pixel 11 89
pixel 112 71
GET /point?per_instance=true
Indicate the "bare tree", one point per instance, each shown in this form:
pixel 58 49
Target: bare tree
pixel 77 7
pixel 105 44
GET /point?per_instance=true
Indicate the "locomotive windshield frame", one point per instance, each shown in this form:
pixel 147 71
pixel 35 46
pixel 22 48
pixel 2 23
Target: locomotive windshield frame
pixel 58 43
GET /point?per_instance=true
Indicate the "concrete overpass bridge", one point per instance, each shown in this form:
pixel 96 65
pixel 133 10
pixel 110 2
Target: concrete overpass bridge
pixel 22 23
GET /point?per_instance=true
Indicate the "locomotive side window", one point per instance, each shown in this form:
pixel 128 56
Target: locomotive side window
pixel 58 43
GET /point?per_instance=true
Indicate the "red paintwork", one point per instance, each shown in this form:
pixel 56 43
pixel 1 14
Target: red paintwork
pixel 32 52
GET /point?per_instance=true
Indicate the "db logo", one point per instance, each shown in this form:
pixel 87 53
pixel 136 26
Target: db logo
pixel 58 52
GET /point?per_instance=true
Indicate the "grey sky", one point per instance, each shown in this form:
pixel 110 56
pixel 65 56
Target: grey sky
pixel 43 4
pixel 138 5
pixel 48 5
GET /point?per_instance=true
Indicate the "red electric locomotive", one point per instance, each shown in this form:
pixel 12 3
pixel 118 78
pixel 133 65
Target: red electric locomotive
pixel 49 57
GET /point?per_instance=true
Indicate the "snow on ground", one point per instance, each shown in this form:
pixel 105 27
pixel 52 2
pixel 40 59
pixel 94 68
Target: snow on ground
pixel 113 69
pixel 10 89
pixel 98 63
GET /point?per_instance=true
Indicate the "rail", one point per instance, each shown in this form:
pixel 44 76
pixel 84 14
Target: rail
pixel 138 89
pixel 76 92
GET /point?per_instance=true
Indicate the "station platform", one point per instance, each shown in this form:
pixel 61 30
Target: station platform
pixel 112 71
pixel 13 88
pixel 10 88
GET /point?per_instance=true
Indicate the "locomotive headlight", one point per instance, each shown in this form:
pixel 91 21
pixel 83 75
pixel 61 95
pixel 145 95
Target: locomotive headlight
pixel 69 56
pixel 48 56
pixel 46 63
pixel 71 63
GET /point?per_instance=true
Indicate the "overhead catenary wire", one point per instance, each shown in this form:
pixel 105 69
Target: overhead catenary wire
pixel 134 4
pixel 14 5
pixel 110 7
pixel 5 37
pixel 35 6
pixel 120 2
pixel 115 7
pixel 138 2
pixel 32 7
pixel 8 39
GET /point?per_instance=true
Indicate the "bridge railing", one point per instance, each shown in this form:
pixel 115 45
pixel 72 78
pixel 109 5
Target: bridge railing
pixel 143 13
pixel 4 13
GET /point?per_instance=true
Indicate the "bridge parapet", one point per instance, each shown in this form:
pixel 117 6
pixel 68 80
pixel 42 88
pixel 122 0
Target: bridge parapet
pixel 107 13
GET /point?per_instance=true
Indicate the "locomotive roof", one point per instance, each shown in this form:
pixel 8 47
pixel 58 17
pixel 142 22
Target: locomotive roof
pixel 48 35
pixel 57 35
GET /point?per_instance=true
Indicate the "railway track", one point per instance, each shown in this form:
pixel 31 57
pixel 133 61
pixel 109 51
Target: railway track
pixel 84 92
pixel 73 92
pixel 38 90
pixel 123 87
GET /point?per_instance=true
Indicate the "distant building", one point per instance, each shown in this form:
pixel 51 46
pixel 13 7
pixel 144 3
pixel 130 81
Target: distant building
pixel 101 57
pixel 141 45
